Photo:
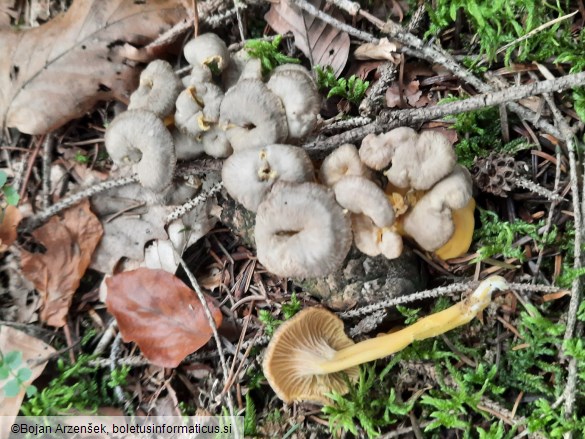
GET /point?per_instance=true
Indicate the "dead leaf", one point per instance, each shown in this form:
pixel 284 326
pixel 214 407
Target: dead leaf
pixel 56 72
pixel 10 220
pixel 322 43
pixel 69 242
pixel 160 313
pixel 32 350
pixel 385 49
pixel 411 94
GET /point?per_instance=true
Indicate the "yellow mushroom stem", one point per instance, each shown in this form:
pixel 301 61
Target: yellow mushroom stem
pixel 427 327
pixel 459 243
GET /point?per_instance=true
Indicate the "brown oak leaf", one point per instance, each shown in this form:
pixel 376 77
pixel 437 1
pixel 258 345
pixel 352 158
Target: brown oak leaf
pixel 322 43
pixel 56 273
pixel 9 221
pixel 56 72
pixel 160 313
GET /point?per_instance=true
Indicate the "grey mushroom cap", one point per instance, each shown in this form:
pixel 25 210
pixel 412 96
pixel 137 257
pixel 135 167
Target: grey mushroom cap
pixel 420 164
pixel 360 195
pixel 215 143
pixel 186 147
pixel 198 108
pixel 252 116
pixel 430 223
pixel 207 49
pixel 158 89
pixel 300 97
pixel 301 231
pixel 200 74
pixel 377 150
pixel 139 138
pixel 242 66
pixel 342 162
pixel 249 175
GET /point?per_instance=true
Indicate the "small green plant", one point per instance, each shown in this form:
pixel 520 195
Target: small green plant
pixel 80 386
pixel 410 315
pixel 361 407
pixel 250 418
pixel 15 374
pixel 81 158
pixel 496 236
pixel 268 53
pixel 9 194
pixel 288 310
pixel 352 89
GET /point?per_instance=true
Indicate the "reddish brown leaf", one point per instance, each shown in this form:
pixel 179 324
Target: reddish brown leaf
pixel 10 219
pixel 411 94
pixel 322 43
pixel 160 313
pixel 69 242
pixel 58 71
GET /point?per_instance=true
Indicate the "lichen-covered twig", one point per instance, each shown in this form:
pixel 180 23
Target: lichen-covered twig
pixel 193 203
pixel 537 189
pixel 48 145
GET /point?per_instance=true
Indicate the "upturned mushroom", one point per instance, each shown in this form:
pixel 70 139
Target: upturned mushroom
pixel 377 150
pixel 301 231
pixel 209 50
pixel 310 355
pixel 158 89
pixel 302 102
pixel 342 162
pixel 249 175
pixel 139 138
pixel 430 222
pixel 252 116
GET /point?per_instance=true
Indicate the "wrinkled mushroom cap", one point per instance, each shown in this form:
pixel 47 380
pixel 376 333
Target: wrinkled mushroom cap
pixel 140 138
pixel 430 222
pixel 242 66
pixel 215 143
pixel 252 115
pixel 249 175
pixel 377 150
pixel 198 108
pixel 200 74
pixel 344 161
pixel 360 195
pixel 372 240
pixel 158 89
pixel 300 97
pixel 311 335
pixel 301 231
pixel 422 163
pixel 207 49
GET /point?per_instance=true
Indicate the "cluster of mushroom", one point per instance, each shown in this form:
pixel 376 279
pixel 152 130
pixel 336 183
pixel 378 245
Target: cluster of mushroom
pixel 304 229
pixel 310 355
pixel 222 106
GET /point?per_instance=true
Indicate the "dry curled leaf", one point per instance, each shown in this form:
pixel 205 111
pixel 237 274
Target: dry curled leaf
pixel 10 219
pixel 58 71
pixel 33 350
pixel 160 313
pixel 384 49
pixel 56 273
pixel 411 94
pixel 322 43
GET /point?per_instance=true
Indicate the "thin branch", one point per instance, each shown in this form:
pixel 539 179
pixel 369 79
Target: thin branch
pixel 193 203
pixel 393 119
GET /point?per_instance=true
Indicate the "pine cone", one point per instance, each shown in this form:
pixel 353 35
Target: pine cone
pixel 495 173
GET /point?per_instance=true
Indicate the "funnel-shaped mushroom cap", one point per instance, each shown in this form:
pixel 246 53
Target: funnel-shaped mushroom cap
pixel 430 223
pixel 421 164
pixel 360 195
pixel 344 161
pixel 186 147
pixel 298 93
pixel 301 231
pixel 377 150
pixel 158 89
pixel 312 335
pixel 199 75
pixel 252 115
pixel 242 66
pixel 249 175
pixel 215 143
pixel 207 49
pixel 140 138
pixel 372 240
